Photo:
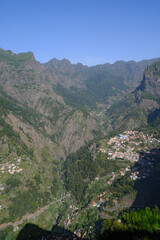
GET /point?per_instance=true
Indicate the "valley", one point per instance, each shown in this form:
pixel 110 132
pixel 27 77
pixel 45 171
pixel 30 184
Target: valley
pixel 107 195
pixel 78 145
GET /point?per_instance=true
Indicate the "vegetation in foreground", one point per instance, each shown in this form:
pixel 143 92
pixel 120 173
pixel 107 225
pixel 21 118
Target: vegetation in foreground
pixel 137 225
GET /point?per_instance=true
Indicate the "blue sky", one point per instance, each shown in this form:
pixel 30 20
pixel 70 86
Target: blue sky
pixel 87 31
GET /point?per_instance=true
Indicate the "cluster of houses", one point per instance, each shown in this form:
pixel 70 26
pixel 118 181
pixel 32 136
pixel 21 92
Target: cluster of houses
pixel 78 234
pixel 137 175
pixel 102 198
pixel 119 150
pixel 75 236
pixel 94 204
pixel 74 212
pixel 10 167
pixel 121 172
pixel 126 146
pixel 111 179
pixel 122 146
pixel 141 171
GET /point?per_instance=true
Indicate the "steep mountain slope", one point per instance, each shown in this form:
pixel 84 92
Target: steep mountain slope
pixel 24 81
pixel 87 86
pixel 46 112
pixel 54 96
pixel 37 130
pixel 141 107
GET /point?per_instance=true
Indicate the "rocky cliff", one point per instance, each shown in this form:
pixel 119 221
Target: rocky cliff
pixel 142 106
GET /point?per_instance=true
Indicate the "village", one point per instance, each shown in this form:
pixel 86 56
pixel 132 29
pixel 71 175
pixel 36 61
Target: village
pixel 131 146
pixel 135 147
pixel 122 146
pixel 138 150
pixel 74 212
pixel 10 167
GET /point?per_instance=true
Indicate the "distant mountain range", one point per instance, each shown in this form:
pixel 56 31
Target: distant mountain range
pixel 64 104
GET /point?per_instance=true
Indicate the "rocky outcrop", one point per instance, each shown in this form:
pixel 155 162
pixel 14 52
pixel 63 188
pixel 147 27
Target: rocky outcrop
pixel 135 111
pixel 151 80
pixel 147 95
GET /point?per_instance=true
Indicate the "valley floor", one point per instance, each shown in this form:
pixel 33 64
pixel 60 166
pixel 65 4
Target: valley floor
pixel 108 195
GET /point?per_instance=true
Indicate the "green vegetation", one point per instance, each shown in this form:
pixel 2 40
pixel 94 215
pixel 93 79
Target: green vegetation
pixel 153 123
pixel 99 87
pixel 103 85
pixel 80 169
pixel 122 186
pixel 14 139
pixel 38 183
pixel 15 59
pixel 138 225
pixel 42 122
pixel 127 115
pixel 7 234
pixel 154 67
pixel 148 95
pixel 77 98
pixel 29 115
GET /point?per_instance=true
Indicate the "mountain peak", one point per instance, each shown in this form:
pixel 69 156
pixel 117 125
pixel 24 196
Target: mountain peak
pixel 8 56
pixel 57 62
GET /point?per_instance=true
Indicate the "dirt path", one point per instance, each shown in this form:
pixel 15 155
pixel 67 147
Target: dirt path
pixel 28 216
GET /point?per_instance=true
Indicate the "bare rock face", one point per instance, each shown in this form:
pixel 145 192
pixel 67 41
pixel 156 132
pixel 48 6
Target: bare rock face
pixel 76 131
pixel 148 93
pixel 148 103
pixel 151 80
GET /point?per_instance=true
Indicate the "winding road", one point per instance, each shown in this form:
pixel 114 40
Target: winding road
pixel 29 216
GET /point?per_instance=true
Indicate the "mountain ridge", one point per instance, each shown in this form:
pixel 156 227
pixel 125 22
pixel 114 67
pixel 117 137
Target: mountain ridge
pixel 48 111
